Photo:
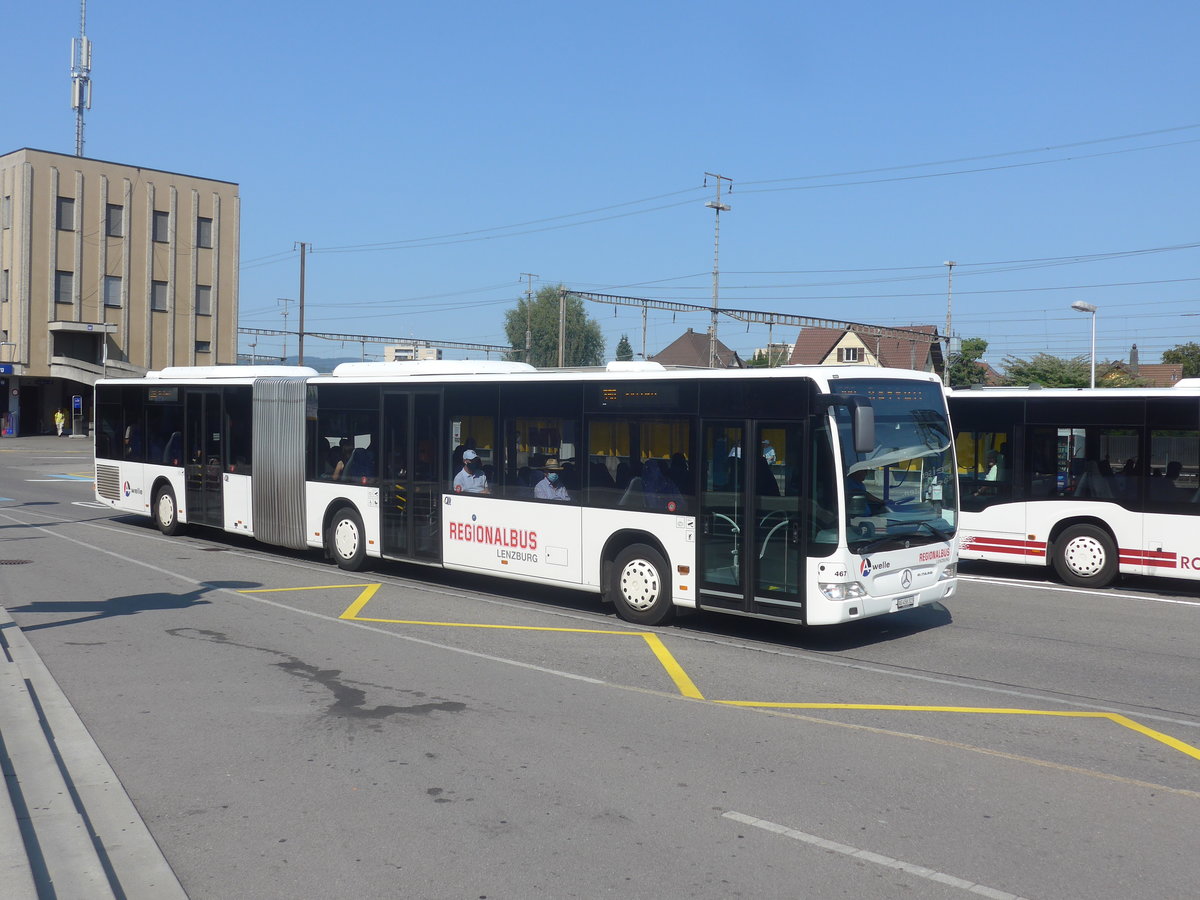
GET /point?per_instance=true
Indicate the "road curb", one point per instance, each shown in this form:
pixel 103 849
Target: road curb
pixel 78 829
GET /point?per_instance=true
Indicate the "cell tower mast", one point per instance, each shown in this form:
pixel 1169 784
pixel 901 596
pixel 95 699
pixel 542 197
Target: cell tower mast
pixel 81 76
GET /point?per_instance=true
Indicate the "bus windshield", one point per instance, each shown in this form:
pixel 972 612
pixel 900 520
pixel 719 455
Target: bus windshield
pixel 902 491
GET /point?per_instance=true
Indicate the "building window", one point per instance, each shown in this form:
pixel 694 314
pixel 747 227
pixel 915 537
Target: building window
pixel 65 214
pixel 848 354
pixel 6 212
pixel 203 300
pixel 162 226
pixel 112 290
pixel 64 287
pixel 158 296
pixel 4 283
pixel 204 346
pixel 204 234
pixel 114 220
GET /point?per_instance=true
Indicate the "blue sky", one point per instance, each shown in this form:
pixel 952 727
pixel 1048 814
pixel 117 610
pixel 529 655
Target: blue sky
pixel 432 153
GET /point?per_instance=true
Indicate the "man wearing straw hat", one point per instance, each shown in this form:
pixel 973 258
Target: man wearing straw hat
pixel 551 487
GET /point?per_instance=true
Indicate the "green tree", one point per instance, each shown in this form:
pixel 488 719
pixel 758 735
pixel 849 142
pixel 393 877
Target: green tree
pixel 775 356
pixel 624 350
pixel 1188 354
pixel 584 345
pixel 966 368
pixel 1048 371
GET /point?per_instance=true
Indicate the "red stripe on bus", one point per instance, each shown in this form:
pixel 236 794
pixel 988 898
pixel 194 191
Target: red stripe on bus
pixel 1156 558
pixel 1005 545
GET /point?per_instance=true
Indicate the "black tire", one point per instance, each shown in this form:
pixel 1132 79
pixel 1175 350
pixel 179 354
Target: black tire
pixel 640 586
pixel 347 539
pixel 1085 556
pixel 166 511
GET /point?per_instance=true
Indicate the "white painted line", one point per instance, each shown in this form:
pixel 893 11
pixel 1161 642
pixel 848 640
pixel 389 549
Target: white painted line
pixel 1045 586
pixel 316 615
pixel 424 587
pixel 868 856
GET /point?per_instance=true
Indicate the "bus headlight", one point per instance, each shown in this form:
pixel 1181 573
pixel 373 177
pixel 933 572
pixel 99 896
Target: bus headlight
pixel 951 571
pixel 841 590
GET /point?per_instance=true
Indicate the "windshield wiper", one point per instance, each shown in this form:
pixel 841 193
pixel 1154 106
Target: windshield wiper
pixel 874 544
pixel 878 542
pixel 938 532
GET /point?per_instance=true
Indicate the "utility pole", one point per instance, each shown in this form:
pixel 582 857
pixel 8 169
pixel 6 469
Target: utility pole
pixel 643 331
pixel 562 327
pixel 285 301
pixel 717 207
pixel 303 252
pixel 529 318
pixel 949 264
pixel 81 76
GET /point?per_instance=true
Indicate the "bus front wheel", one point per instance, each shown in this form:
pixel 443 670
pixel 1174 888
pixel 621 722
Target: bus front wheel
pixel 641 586
pixel 166 511
pixel 1085 556
pixel 347 540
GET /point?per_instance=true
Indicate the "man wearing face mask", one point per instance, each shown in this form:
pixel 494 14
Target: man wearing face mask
pixel 471 479
pixel 551 487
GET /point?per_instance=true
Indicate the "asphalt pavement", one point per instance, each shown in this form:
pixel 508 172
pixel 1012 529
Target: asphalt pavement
pixel 67 827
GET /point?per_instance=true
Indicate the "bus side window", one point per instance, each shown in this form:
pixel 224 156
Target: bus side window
pixel 985 468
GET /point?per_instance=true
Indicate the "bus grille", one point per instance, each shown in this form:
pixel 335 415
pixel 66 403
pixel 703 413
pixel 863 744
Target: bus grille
pixel 108 482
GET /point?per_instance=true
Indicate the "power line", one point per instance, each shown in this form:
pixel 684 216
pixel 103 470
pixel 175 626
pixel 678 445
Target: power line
pixel 500 231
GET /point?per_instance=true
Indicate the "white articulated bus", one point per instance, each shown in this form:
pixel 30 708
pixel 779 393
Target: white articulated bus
pixel 800 494
pixel 1092 482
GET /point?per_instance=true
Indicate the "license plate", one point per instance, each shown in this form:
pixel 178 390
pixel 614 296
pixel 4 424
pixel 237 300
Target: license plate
pixel 906 602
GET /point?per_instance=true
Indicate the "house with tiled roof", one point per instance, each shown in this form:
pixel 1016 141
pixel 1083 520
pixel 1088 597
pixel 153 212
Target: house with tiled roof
pixel 691 349
pixel 1153 374
pixel 847 346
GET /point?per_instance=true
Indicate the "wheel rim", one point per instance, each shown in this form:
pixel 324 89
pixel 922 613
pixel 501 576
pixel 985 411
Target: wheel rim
pixel 1085 556
pixel 345 539
pixel 639 584
pixel 166 509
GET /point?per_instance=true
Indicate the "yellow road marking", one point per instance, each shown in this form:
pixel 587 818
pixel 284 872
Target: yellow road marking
pixel 687 688
pixel 1166 739
pixel 673 668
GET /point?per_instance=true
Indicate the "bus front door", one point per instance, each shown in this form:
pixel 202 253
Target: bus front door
pixel 204 466
pixel 750 518
pixel 410 487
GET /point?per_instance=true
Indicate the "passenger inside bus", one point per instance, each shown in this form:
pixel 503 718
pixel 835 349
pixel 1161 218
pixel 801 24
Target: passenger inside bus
pixel 551 486
pixel 337 458
pixel 471 479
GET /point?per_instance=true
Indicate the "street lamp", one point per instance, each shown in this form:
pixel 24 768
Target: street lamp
pixel 1080 306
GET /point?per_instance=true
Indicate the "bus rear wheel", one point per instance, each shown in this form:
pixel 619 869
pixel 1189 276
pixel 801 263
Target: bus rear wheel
pixel 1085 556
pixel 347 539
pixel 166 511
pixel 640 586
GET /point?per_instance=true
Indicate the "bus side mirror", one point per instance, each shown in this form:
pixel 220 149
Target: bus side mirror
pixel 864 429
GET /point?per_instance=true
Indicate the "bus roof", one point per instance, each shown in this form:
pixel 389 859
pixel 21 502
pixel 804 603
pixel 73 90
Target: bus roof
pixel 1185 386
pixel 497 370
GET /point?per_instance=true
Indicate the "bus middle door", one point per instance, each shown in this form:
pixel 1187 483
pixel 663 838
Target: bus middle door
pixel 411 484
pixel 204 464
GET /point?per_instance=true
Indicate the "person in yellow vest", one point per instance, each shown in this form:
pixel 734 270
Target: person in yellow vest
pixel 59 420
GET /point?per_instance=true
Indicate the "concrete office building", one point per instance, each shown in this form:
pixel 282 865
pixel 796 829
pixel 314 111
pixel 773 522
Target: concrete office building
pixel 107 270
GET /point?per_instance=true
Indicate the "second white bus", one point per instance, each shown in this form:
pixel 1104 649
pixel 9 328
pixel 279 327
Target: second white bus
pixel 1090 482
